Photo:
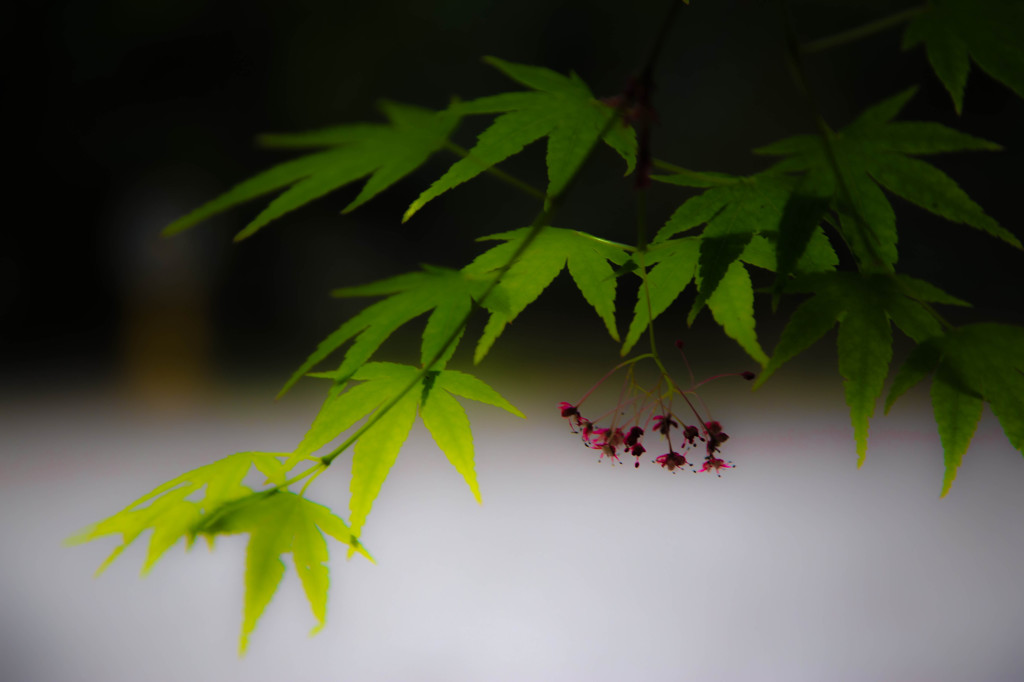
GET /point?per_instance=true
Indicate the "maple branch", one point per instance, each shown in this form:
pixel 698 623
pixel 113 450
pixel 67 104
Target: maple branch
pixel 868 29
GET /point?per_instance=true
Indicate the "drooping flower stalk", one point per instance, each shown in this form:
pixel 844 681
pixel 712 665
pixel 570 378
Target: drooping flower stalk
pixel 652 414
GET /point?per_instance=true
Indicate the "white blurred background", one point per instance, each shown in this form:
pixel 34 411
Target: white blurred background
pixel 793 566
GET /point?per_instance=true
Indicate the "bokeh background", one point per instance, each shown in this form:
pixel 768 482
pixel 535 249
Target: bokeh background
pixel 126 359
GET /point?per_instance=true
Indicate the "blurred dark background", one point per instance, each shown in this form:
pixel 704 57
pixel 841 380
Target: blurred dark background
pixel 130 113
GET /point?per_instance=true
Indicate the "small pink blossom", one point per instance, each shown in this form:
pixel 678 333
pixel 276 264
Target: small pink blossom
pixel 663 423
pixel 671 461
pixel 608 450
pixel 715 436
pixel 712 462
pixel 597 438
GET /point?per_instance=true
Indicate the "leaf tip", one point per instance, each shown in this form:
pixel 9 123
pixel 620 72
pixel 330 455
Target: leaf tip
pixel 411 211
pixel 947 479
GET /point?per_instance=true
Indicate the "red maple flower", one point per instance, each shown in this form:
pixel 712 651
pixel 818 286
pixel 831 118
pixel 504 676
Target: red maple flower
pixel 671 461
pixel 712 462
pixel 608 450
pixel 636 451
pixel 715 436
pixel 663 423
pixel 595 438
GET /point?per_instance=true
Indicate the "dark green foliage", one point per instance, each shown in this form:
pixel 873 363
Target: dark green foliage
pixel 970 365
pixel 957 31
pixel 863 305
pixel 853 165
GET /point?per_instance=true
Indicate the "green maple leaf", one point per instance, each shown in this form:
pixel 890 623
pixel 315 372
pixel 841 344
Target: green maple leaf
pixel 384 152
pixel 170 514
pixel 956 31
pixel 561 108
pixel 446 294
pixel 586 257
pixel 863 305
pixel 376 451
pixel 279 523
pixel 743 217
pixel 874 152
pixel 971 365
pixel 672 264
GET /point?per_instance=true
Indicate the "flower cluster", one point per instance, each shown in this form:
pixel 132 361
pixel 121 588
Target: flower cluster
pixel 607 440
pixel 611 441
pixel 627 439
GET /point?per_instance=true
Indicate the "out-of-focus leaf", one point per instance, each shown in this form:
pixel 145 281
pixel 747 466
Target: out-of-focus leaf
pixel 987 31
pixel 972 364
pixel 863 305
pixel 874 152
pixel 385 152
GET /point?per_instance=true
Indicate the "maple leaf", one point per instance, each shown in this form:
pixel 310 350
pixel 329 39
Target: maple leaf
pixel 873 152
pixel 587 258
pixel 743 217
pixel 376 450
pixel 278 523
pixel 956 31
pixel 167 511
pixel 672 266
pixel 447 293
pixel 385 152
pixel 863 305
pixel 971 365
pixel 561 108
pixel 732 211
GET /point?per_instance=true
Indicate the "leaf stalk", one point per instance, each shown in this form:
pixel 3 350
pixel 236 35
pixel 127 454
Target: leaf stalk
pixel 863 31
